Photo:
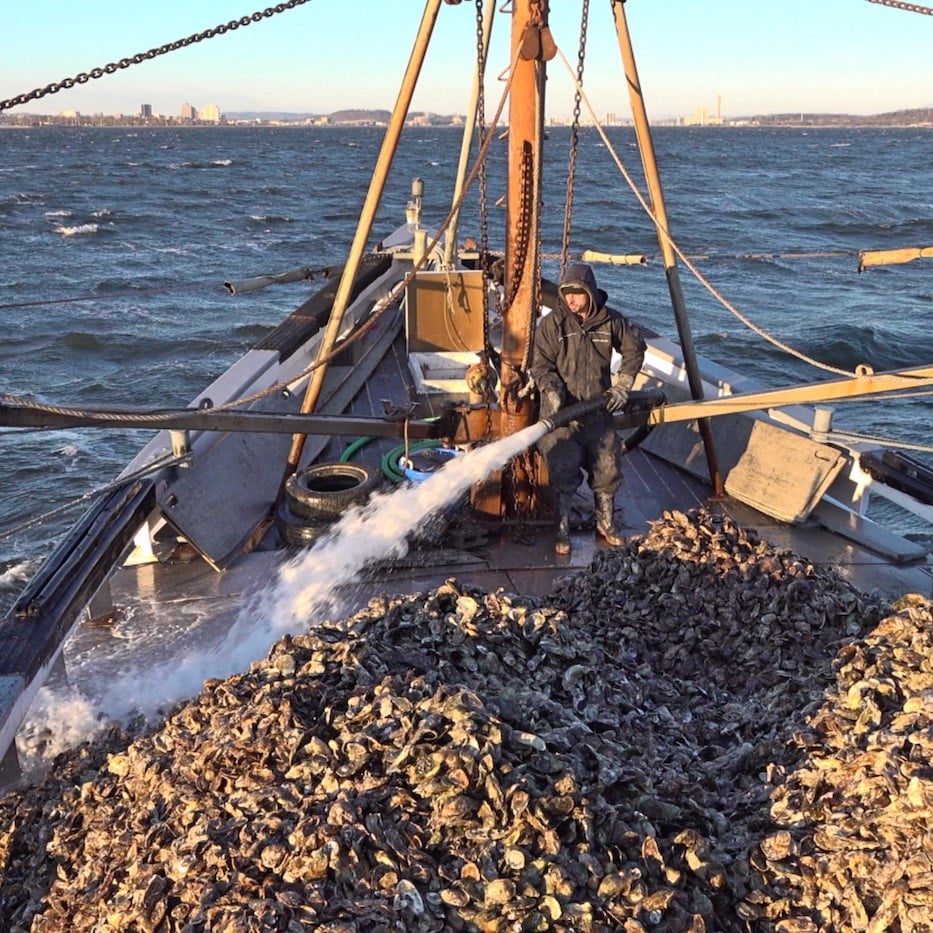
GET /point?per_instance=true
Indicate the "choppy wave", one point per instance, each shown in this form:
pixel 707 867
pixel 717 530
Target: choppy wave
pixel 69 451
pixel 213 163
pixel 76 340
pixel 78 230
pixel 15 574
pixel 729 194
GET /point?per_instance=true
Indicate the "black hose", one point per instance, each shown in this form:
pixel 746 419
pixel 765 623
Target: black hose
pixel 574 412
pixel 639 401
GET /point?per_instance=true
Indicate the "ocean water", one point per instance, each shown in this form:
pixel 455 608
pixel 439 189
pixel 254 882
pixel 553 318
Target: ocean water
pixel 117 242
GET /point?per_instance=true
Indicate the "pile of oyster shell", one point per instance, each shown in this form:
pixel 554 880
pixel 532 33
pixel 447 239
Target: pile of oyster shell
pixel 699 733
pixel 855 846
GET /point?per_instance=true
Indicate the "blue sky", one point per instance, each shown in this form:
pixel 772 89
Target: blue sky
pixel 759 56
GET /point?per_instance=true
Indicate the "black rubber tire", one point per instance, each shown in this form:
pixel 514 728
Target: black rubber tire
pixel 298 534
pixel 297 531
pixel 326 490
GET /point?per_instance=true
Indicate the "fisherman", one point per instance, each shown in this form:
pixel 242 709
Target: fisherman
pixel 572 363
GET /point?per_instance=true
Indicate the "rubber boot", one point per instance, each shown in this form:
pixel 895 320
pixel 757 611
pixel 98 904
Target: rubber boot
pixel 605 518
pixel 562 538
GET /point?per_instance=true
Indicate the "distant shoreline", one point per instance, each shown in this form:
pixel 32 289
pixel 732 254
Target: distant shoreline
pixel 362 126
pixel 915 118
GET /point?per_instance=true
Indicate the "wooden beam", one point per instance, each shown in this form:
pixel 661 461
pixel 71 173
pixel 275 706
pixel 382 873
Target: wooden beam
pixel 807 394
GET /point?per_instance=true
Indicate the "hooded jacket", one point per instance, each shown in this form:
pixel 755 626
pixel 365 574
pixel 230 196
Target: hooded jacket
pixel 573 355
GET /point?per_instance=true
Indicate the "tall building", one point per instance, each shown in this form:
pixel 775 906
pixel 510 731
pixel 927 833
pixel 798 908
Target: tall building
pixel 188 112
pixel 210 113
pixel 702 117
pixel 145 111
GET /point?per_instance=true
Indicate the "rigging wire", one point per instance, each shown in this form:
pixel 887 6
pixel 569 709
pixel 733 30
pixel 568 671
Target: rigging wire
pixel 113 296
pixel 731 257
pixel 41 302
pixel 323 270
pixel 574 141
pixel 684 258
pixel 853 437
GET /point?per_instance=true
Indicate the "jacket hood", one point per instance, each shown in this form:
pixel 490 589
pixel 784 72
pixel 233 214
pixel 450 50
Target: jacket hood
pixel 581 275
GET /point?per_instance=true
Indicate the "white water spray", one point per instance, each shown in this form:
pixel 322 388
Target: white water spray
pixel 307 592
pixel 308 588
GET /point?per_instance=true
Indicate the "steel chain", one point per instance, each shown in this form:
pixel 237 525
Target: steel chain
pixel 140 57
pixel 483 198
pixel 910 7
pixel 574 139
pixel 524 224
pixel 539 295
pixel 481 137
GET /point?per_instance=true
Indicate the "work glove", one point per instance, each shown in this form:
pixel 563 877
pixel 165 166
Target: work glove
pixel 618 395
pixel 552 398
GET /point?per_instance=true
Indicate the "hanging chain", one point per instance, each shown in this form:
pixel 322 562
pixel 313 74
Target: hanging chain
pixel 483 201
pixel 481 138
pixel 539 299
pixel 140 57
pixel 524 223
pixel 483 174
pixel 574 140
pixel 910 7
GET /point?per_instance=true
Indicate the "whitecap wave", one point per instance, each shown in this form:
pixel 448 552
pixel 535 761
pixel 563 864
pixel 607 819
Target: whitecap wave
pixel 78 230
pixel 14 575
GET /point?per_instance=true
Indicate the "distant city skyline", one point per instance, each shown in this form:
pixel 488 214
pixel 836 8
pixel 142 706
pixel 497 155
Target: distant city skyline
pixel 210 115
pixel 835 56
pixel 700 116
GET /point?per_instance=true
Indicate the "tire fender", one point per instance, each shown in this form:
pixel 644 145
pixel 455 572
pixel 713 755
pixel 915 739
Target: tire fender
pixel 325 491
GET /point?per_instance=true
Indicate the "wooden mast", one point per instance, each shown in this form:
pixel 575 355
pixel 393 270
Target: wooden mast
pixel 531 46
pixel 367 216
pixel 522 248
pixel 653 179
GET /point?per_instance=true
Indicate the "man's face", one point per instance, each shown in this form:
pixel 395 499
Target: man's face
pixel 578 302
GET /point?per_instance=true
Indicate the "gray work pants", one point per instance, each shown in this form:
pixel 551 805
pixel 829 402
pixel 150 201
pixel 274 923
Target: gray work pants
pixel 593 448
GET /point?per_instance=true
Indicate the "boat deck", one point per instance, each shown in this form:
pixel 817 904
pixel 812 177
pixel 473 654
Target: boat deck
pixel 182 608
pixel 517 559
pixel 526 564
pixel 520 561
